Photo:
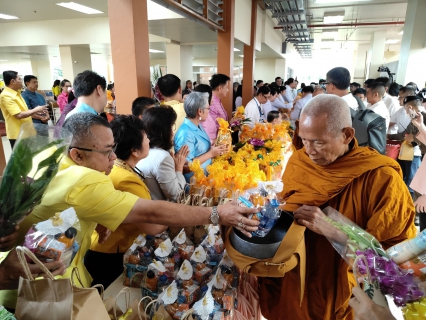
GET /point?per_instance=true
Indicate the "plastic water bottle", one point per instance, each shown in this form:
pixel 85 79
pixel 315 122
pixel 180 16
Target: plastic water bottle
pixel 408 249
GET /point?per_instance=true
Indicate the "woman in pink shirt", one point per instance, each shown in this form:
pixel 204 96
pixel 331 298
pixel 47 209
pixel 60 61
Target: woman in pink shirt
pixel 63 97
pixel 220 88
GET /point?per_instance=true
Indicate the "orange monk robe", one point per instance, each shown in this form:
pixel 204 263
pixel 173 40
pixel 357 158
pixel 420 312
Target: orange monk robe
pixel 364 186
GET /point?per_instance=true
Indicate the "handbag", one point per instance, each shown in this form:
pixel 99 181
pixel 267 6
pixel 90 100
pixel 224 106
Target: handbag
pixel 392 148
pixel 55 298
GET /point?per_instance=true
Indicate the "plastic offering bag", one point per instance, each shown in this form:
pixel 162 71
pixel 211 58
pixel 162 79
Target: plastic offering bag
pixel 56 238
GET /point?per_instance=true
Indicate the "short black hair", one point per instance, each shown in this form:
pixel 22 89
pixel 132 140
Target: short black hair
pixel 368 82
pixel 140 104
pixel 86 83
pixel 289 80
pixel 259 82
pixel 110 86
pixel 277 78
pixel 28 78
pixel 361 91
pixel 158 123
pixel 168 85
pixel 272 115
pixel 377 87
pixel 385 80
pixel 263 90
pixel 218 79
pixel 205 88
pixel 282 88
pixel 274 90
pixel 339 77
pixel 309 89
pixel 302 85
pixel 321 81
pixel 63 82
pixel 274 84
pixel 394 89
pixel 57 82
pixel 8 76
pixel 128 135
pixel 408 89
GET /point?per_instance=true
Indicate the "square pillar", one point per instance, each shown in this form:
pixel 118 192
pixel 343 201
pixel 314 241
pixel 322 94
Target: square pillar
pixel 377 48
pixel 75 59
pixel 128 21
pixel 225 50
pixel 249 58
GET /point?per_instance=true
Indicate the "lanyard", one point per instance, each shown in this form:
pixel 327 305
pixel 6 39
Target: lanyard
pixel 258 107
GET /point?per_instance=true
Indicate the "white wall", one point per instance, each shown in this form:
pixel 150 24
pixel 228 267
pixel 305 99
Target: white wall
pixel 23 67
pixel 41 69
pixel 259 28
pixel 242 27
pixel 264 69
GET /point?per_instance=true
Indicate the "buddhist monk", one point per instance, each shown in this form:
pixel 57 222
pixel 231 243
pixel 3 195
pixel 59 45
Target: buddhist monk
pixel 366 187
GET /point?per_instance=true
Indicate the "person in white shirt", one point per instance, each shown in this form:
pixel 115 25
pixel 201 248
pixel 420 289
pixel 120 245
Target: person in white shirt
pixel 267 106
pixel 391 103
pixel 254 109
pixel 375 94
pixel 307 92
pixel 337 83
pixel 279 81
pixel 279 102
pixel 290 95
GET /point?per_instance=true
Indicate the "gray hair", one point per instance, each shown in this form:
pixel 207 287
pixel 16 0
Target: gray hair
pixel 335 109
pixel 79 124
pixel 195 101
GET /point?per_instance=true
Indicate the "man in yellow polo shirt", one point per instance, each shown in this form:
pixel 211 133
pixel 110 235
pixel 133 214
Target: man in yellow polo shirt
pixel 82 183
pixel 13 106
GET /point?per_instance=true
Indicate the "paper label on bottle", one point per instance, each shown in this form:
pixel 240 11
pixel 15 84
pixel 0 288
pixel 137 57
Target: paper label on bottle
pixel 186 271
pixel 140 241
pixel 157 265
pixel 170 294
pixel 199 255
pixel 181 237
pixel 164 249
pixel 210 239
pixel 59 223
pixel 204 307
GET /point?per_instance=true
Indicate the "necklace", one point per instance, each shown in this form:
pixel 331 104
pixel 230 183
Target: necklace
pixel 122 164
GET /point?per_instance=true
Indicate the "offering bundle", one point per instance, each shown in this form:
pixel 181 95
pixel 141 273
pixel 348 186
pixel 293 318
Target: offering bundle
pixel 383 272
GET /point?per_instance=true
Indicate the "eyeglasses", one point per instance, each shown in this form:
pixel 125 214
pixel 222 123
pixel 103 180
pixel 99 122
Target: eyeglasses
pixel 326 83
pixel 208 108
pixel 105 152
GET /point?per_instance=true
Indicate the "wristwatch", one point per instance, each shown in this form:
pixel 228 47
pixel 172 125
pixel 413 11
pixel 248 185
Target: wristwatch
pixel 214 217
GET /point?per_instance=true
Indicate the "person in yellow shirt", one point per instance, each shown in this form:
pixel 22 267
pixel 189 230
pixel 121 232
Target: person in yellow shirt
pixel 132 145
pixel 82 183
pixel 13 106
pixel 171 90
pixel 56 89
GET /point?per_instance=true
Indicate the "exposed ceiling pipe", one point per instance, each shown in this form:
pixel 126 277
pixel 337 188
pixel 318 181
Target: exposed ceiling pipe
pixel 352 24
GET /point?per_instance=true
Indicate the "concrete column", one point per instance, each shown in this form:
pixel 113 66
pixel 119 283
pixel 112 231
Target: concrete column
pixel 249 58
pixel 41 69
pixel 179 62
pixel 360 72
pixel 411 66
pixel 225 50
pixel 128 21
pixel 377 47
pixel 75 59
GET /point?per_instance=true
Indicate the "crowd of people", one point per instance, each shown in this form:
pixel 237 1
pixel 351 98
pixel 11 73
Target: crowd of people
pixel 123 174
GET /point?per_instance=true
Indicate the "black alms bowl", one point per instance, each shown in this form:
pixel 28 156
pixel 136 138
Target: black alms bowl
pixel 266 247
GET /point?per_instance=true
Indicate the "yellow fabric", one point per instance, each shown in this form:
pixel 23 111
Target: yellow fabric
pixel 11 104
pixel 406 152
pixel 2 85
pixel 180 111
pixel 56 90
pixel 109 95
pixel 92 195
pixel 122 238
pixel 368 189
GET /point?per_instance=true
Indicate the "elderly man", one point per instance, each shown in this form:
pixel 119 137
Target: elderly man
pixel 366 187
pixel 82 183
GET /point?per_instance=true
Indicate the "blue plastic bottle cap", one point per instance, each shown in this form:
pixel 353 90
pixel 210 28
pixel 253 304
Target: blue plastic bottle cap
pixel 163 278
pixel 147 254
pixel 149 237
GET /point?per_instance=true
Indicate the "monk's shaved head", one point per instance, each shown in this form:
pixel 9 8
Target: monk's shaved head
pixel 331 107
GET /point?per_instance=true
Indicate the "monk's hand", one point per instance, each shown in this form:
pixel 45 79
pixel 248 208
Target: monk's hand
pixel 8 242
pixel 420 204
pixel 235 216
pixel 366 309
pixel 311 217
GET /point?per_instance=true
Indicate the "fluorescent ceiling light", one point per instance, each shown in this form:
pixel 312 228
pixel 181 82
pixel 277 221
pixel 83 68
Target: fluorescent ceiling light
pixel 329 33
pixel 241 56
pixel 7 17
pixel 3 60
pixel 334 17
pixel 337 1
pixel 392 41
pixel 155 51
pixel 402 32
pixel 235 49
pixel 78 7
